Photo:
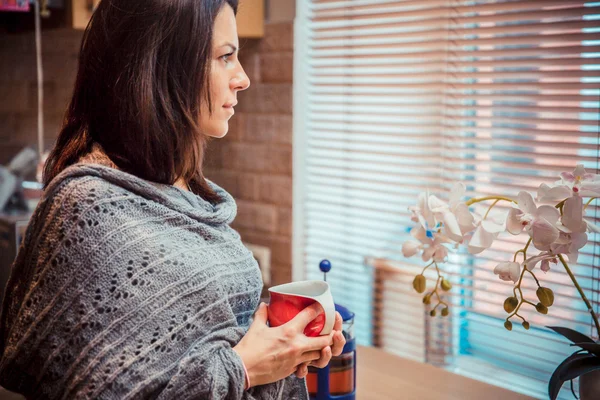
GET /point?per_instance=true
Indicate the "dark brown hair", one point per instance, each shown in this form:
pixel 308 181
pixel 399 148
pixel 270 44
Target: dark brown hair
pixel 143 71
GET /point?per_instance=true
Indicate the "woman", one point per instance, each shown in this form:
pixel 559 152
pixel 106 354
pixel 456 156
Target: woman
pixel 130 282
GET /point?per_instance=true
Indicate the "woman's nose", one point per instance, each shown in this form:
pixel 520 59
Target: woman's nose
pixel 240 80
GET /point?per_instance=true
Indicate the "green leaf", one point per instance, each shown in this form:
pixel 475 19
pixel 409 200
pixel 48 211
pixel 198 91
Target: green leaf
pixel 572 335
pixel 593 348
pixel 581 366
pixel 556 380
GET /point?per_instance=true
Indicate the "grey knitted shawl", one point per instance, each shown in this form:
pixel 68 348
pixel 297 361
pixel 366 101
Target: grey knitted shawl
pixel 128 289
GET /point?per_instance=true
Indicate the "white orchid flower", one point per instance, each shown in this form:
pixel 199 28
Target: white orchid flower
pixel 549 194
pixel 508 271
pixel 436 250
pixel 441 212
pixel 485 234
pixel 455 216
pixel 580 182
pixel 576 183
pixel 591 226
pixel 421 212
pixel 569 244
pixel 412 247
pixel 545 257
pixel 572 218
pixel 539 222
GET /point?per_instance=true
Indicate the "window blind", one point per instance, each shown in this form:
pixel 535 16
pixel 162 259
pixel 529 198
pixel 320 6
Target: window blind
pixel 393 98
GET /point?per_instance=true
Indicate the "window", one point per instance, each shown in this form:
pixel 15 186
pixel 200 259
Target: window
pixel 396 97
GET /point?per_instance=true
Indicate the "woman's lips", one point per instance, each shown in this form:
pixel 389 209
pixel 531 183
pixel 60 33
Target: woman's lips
pixel 229 107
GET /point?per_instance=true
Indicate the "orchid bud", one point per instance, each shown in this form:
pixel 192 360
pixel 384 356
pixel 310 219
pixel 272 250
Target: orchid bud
pixel 508 325
pixel 542 309
pixel 427 298
pixel 525 325
pixel 432 313
pixel 420 283
pixel 545 295
pixel 446 285
pixel 445 312
pixel 510 304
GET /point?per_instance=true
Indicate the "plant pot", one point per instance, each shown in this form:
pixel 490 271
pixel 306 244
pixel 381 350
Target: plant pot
pixel 589 385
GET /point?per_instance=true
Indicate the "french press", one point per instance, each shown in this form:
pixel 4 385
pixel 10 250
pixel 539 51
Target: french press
pixel 337 381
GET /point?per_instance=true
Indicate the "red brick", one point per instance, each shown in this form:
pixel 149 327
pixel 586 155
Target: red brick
pixel 255 216
pixel 22 43
pixel 237 125
pixel 60 67
pixel 61 41
pixel 17 67
pixel 278 37
pixel 267 98
pixel 246 157
pixel 249 58
pixel 226 179
pixel 18 93
pixel 213 158
pixel 281 247
pixel 279 160
pixel 276 190
pixel 8 126
pixel 277 67
pixel 284 219
pixel 63 91
pixel 8 151
pixel 248 186
pixel 26 128
pixel 280 274
pixel 276 98
pixel 53 124
pixel 271 128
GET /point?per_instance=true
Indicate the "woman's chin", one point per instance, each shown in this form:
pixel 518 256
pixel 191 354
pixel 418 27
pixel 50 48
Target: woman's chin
pixel 218 131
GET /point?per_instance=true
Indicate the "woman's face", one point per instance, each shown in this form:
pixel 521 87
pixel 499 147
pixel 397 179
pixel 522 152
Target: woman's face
pixel 227 77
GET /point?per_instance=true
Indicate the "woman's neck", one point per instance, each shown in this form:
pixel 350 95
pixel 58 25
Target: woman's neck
pixel 181 184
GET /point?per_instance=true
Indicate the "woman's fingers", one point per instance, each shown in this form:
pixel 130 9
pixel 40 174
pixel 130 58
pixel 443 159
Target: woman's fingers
pixel 339 341
pixel 310 356
pixel 302 370
pixel 317 343
pixel 337 326
pixel 306 316
pixel 324 359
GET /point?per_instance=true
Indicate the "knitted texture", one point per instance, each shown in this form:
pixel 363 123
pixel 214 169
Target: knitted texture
pixel 125 289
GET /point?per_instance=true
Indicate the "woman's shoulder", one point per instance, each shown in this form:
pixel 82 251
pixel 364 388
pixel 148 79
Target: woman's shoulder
pixel 75 194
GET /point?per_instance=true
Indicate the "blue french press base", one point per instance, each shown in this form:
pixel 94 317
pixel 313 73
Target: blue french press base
pixel 323 374
pixel 323 379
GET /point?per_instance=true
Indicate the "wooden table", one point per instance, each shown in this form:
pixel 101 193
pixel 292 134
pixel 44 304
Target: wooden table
pixel 383 376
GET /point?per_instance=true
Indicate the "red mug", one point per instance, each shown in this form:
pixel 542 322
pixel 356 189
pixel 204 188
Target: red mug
pixel 287 300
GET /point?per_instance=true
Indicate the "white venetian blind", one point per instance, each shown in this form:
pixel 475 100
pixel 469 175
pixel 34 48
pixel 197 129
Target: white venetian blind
pixel 396 97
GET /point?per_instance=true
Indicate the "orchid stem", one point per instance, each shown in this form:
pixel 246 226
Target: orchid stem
pixel 524 251
pixel 560 206
pixel 479 200
pixel 585 300
pixel 588 202
pixel 425 269
pixel 490 208
pixel 518 287
pixel 526 247
pixel 534 277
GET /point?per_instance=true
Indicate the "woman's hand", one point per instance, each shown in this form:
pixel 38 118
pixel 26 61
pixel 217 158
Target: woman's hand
pixel 339 341
pixel 271 354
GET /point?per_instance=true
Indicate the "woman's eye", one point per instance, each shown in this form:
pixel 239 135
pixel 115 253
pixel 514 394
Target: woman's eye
pixel 225 57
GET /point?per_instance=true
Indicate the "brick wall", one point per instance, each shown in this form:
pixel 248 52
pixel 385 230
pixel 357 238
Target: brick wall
pixel 18 86
pixel 254 160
